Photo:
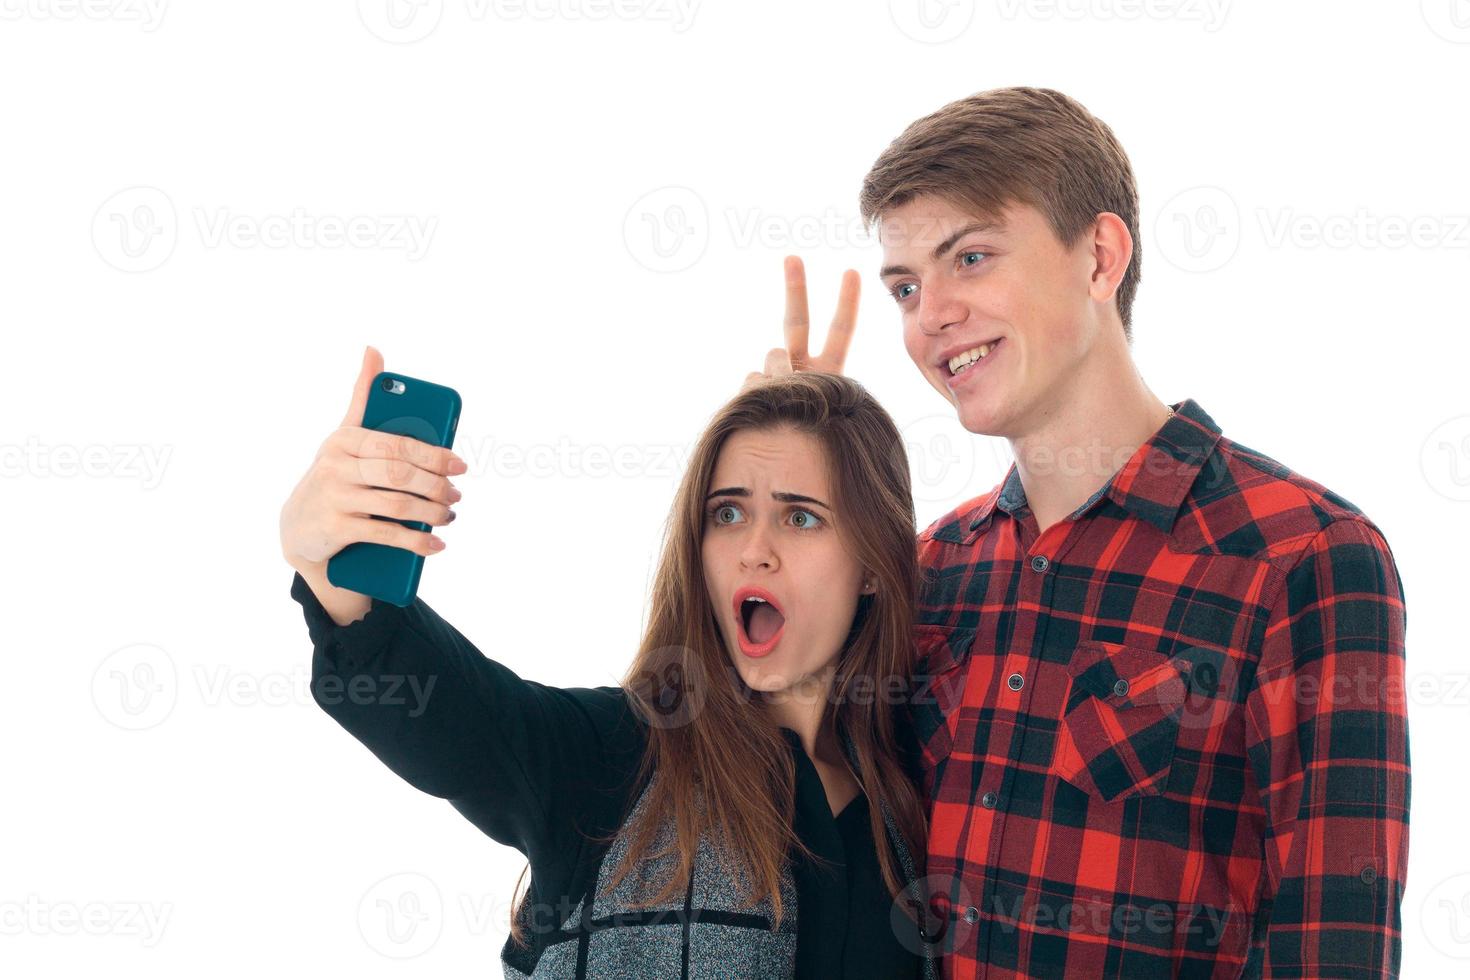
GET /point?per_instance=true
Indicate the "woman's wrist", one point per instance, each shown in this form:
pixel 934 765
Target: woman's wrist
pixel 343 605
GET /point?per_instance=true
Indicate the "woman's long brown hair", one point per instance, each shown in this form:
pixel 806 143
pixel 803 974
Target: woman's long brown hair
pixel 727 769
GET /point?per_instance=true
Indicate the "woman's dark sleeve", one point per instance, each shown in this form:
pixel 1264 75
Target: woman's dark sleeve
pixel 526 763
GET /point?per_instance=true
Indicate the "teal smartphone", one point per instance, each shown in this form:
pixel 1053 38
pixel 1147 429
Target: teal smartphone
pixel 421 410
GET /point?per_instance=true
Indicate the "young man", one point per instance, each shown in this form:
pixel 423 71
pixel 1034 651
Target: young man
pixel 1161 712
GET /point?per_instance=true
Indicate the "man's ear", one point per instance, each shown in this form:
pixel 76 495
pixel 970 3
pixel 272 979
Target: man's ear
pixel 1112 250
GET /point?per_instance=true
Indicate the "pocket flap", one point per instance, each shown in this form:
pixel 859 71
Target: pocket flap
pixel 1127 675
pixel 939 648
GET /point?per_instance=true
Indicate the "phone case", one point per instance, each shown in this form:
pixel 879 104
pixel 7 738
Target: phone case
pixel 421 410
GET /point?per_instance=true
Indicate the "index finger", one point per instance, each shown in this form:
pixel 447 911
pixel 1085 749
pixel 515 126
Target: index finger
pixel 372 444
pixel 798 322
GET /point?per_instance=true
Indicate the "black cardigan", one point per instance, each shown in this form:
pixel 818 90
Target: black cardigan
pixel 543 768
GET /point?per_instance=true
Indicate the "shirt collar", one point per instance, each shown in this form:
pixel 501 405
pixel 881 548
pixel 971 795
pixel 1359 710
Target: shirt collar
pixel 794 740
pixel 1152 485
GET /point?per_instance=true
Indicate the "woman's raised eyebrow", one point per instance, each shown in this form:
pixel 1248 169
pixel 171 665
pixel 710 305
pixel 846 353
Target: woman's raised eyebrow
pixel 781 495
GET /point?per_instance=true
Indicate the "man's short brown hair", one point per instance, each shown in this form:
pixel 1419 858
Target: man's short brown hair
pixel 1030 145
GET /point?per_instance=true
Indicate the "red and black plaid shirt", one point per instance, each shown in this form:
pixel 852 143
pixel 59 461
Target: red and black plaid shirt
pixel 1167 737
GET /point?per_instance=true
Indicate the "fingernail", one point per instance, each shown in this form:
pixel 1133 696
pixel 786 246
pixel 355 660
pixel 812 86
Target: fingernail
pixel 436 544
pixel 458 466
pixel 454 494
pixel 452 516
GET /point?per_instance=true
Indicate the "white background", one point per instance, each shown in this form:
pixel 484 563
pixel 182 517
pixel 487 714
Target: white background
pixel 603 195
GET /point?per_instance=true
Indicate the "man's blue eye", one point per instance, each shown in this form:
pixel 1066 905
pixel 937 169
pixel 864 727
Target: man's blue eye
pixel 968 254
pixel 899 293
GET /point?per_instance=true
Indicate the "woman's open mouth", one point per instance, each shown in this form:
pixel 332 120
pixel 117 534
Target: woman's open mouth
pixel 759 621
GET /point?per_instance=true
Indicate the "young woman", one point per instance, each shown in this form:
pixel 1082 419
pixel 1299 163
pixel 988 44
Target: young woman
pixel 743 803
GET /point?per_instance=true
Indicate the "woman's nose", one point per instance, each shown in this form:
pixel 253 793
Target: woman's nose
pixel 766 559
pixel 757 550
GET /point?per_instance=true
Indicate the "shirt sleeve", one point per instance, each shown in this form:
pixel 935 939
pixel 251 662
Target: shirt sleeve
pixel 1328 744
pixel 525 762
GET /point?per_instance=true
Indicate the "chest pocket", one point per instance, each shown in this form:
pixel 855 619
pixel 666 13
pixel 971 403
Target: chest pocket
pixel 1121 721
pixel 942 658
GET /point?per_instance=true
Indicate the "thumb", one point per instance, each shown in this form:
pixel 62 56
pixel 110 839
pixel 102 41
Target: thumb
pixel 372 365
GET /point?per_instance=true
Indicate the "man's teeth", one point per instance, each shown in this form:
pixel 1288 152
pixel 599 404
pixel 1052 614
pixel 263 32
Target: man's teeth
pixel 961 361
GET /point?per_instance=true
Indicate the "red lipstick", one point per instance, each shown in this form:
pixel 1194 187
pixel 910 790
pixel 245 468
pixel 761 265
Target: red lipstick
pixel 748 646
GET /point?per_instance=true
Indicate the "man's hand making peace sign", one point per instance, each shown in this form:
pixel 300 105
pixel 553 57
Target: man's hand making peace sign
pixel 794 356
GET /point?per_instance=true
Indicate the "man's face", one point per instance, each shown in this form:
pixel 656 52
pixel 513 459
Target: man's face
pixel 961 283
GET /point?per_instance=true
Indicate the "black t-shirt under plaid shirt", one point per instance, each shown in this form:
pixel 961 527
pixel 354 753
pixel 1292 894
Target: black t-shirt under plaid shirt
pixel 1167 736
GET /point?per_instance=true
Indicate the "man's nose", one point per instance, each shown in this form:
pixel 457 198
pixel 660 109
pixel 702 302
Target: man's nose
pixel 939 306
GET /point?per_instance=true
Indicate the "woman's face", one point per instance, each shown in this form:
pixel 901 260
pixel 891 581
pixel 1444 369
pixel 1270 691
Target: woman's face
pixel 769 530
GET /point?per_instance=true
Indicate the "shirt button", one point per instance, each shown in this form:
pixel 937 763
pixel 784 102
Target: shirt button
pixel 1040 563
pixel 988 801
pixel 1015 681
pixel 1368 875
pixel 1120 687
pixel 972 914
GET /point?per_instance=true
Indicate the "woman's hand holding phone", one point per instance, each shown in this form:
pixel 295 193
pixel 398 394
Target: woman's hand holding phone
pixel 359 472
